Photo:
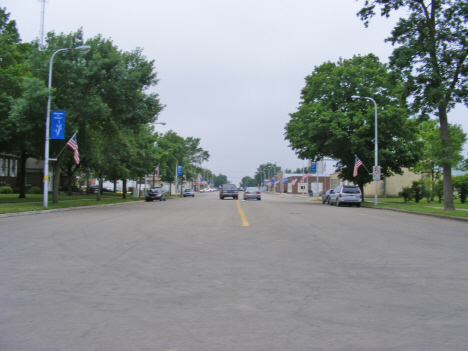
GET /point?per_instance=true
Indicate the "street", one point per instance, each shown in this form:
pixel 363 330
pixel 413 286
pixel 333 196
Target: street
pixel 189 274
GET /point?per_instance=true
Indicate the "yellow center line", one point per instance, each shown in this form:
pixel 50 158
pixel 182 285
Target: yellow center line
pixel 245 222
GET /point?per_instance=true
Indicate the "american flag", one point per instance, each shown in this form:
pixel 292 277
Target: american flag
pixel 185 179
pixel 74 145
pixel 157 171
pixel 357 164
pixel 294 181
pixel 305 176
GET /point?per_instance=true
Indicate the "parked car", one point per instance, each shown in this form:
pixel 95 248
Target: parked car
pixel 189 192
pixel 326 196
pixel 96 187
pixel 229 190
pixel 156 194
pixel 252 193
pixel 346 195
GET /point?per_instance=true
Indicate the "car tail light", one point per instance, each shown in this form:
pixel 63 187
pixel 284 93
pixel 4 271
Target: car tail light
pixel 258 192
pixel 248 192
pixel 340 195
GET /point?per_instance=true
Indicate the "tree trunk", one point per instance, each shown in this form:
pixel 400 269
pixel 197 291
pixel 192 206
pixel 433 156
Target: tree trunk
pixel 69 179
pixel 21 178
pixel 115 186
pixel 124 188
pixel 98 197
pixel 57 166
pixel 447 167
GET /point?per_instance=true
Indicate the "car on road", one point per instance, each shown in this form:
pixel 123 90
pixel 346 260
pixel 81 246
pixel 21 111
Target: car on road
pixel 252 193
pixel 229 190
pixel 156 194
pixel 346 195
pixel 326 196
pixel 189 192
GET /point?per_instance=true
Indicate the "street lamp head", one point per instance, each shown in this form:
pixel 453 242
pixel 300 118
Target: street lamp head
pixel 354 97
pixel 84 48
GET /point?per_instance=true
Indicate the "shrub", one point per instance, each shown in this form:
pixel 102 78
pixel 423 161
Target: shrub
pixel 419 190
pixel 34 190
pixel 460 184
pixel 6 190
pixel 406 193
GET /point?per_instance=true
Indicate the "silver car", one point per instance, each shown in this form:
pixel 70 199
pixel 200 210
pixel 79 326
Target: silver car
pixel 346 195
pixel 252 193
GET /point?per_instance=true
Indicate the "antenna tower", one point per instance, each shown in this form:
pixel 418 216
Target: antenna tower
pixel 41 29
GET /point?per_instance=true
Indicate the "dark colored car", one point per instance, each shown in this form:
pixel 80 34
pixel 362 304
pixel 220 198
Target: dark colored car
pixel 252 193
pixel 189 192
pixel 96 187
pixel 156 194
pixel 326 196
pixel 229 190
pixel 346 195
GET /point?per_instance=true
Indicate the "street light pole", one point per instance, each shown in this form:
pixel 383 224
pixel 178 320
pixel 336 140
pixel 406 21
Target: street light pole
pixel 376 140
pixel 84 48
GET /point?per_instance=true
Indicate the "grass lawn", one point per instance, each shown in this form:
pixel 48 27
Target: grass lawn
pixel 10 203
pixel 423 206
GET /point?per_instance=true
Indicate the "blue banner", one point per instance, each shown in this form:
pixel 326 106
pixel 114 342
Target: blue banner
pixel 57 125
pixel 179 170
pixel 313 167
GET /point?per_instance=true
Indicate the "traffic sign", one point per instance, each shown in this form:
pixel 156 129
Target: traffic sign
pixel 376 169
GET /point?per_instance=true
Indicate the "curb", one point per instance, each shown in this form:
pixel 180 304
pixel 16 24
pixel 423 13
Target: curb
pixel 463 219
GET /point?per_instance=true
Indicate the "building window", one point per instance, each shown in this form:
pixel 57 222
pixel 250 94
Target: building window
pixel 13 168
pixel 28 181
pixel 3 167
pixel 334 183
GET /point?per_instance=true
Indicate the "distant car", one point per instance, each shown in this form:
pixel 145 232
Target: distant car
pixel 240 189
pixel 156 194
pixel 252 193
pixel 204 190
pixel 326 196
pixel 96 187
pixel 229 190
pixel 346 195
pixel 189 192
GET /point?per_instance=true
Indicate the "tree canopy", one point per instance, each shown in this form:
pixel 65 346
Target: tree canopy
pixel 329 123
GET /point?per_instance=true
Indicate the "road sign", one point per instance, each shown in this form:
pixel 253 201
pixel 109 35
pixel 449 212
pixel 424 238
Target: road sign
pixel 376 176
pixel 57 125
pixel 376 169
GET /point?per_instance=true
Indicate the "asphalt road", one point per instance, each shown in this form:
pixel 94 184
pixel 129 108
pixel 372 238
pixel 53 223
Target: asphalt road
pixel 189 274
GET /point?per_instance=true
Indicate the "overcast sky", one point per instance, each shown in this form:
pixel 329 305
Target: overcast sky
pixel 230 71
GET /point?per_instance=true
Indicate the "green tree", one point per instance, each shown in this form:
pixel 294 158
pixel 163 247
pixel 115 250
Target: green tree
pixel 13 72
pixel 103 92
pixel 329 123
pixel 219 180
pixel 433 155
pixel 248 181
pixel 431 54
pixel 265 170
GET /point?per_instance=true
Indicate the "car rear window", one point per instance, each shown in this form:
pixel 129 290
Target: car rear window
pixel 156 190
pixel 351 190
pixel 229 186
pixel 252 189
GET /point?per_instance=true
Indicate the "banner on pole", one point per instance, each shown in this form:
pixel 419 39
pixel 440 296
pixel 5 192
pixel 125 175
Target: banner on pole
pixel 57 125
